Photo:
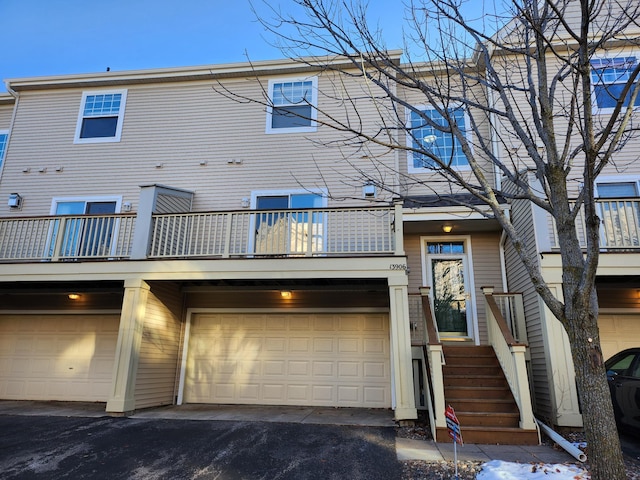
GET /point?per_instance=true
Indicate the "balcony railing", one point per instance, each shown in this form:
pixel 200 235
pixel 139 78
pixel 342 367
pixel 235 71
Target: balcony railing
pixel 619 226
pixel 317 232
pixel 68 237
pixel 295 233
pixel 511 353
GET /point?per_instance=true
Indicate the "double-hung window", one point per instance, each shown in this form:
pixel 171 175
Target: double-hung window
pixel 609 77
pixel 426 134
pixel 292 105
pixel 4 139
pixel 101 115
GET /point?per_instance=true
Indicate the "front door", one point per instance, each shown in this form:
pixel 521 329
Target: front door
pixel 448 276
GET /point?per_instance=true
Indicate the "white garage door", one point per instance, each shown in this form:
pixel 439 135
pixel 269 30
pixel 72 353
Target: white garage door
pixel 289 359
pixel 57 357
pixel 618 332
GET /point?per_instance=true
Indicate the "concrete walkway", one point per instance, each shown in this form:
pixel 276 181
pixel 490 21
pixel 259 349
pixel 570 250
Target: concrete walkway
pixel 429 451
pixel 406 449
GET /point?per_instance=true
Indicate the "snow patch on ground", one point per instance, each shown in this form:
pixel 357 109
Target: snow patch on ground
pixel 500 470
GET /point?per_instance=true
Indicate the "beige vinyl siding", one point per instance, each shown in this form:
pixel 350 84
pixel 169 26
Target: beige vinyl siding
pixel 487 270
pixel 519 282
pixel 180 134
pixel 159 350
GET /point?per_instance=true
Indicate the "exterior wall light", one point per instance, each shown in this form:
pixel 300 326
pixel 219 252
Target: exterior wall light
pixel 446 228
pixel 285 294
pixel 369 190
pixel 74 296
pixel 15 200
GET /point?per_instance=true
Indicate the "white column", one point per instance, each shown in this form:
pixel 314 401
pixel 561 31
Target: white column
pixel 123 383
pixel 401 360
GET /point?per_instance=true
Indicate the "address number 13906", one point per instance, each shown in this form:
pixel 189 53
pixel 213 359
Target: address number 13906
pixel 397 266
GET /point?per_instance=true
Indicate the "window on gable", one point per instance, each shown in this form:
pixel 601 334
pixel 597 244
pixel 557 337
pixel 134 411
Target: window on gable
pixel 293 106
pixel 100 118
pixel 4 138
pixel 609 76
pixel 425 136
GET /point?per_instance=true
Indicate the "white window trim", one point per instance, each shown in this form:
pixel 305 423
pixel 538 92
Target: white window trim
pixel 423 170
pixel 113 198
pixel 472 322
pixel 616 179
pixel 314 106
pixel 116 137
pixel 595 109
pixel 6 147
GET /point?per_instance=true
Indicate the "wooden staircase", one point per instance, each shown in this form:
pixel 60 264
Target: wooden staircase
pixel 476 388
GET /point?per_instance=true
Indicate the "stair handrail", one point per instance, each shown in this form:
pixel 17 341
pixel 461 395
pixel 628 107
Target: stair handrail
pixel 511 355
pixel 434 357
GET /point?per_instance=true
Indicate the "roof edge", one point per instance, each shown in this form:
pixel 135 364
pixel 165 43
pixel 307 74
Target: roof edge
pixel 188 73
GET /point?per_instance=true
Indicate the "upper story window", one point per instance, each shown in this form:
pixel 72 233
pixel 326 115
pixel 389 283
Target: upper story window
pixel 4 139
pixel 609 76
pixel 100 117
pixel 424 135
pixel 293 105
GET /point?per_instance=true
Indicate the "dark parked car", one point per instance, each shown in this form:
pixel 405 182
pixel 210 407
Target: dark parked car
pixel 623 375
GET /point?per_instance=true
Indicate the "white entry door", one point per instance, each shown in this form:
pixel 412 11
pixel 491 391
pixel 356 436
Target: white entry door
pixel 448 275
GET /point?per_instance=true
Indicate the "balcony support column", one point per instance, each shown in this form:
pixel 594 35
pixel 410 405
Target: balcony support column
pixel 144 222
pixel 122 397
pixel 401 359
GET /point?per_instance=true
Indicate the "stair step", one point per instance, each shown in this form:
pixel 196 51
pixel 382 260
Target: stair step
pixel 489 419
pixel 475 380
pixel 471 370
pixel 477 392
pixel 488 405
pixel 491 436
pixel 468 350
pixel 479 360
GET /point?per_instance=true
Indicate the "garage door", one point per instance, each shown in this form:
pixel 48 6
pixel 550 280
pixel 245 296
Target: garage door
pixel 618 332
pixel 57 357
pixel 270 359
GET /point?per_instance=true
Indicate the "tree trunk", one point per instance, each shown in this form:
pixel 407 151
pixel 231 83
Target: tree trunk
pixel 605 454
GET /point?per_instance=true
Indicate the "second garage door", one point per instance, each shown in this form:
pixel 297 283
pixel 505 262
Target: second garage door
pixel 57 357
pixel 618 332
pixel 289 359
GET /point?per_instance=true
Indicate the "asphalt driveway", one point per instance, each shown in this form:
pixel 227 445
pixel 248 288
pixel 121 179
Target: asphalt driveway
pixel 44 447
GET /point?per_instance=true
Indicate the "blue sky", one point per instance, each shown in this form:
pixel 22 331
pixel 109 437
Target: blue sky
pixel 52 37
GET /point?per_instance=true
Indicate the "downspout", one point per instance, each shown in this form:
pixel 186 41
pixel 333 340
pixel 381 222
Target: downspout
pixel 571 449
pixel 495 147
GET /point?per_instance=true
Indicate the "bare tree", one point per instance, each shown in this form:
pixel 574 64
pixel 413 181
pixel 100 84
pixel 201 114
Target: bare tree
pixel 523 74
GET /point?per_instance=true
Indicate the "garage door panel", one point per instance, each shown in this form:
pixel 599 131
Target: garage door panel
pixel 57 357
pixel 618 332
pixel 321 359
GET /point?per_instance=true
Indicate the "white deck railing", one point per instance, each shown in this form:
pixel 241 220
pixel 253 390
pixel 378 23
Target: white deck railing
pixel 512 357
pixel 318 232
pixel 619 225
pixel 66 237
pixel 321 232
